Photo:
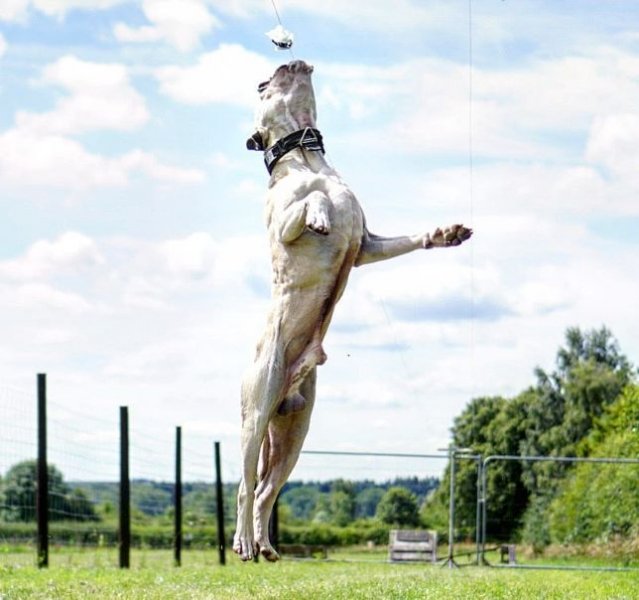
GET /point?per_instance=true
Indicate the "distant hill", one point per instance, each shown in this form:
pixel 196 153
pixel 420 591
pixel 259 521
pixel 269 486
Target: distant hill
pixel 154 498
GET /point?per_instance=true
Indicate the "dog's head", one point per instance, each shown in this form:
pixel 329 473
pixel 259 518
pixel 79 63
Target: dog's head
pixel 287 103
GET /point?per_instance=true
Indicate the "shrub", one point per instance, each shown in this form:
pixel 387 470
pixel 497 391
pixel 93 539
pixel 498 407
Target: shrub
pixel 398 506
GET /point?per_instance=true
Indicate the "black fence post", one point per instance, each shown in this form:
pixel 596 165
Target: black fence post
pixel 177 547
pixel 42 488
pixel 219 492
pixel 125 491
pixel 274 525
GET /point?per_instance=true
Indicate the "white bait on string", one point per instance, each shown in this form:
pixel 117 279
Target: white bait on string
pixel 282 38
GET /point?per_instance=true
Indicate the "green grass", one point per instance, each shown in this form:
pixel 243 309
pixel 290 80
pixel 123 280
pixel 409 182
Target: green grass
pixel 92 575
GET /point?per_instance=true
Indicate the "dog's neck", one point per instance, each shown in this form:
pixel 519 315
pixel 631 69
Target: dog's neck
pixel 298 158
pixel 307 140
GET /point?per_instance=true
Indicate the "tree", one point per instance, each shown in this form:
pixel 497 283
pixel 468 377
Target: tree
pixel 489 426
pixel 366 502
pixel 590 375
pixel 201 502
pixel 150 498
pixel 601 501
pixel 302 501
pixel 342 508
pixel 19 491
pixel 398 506
pixel 555 416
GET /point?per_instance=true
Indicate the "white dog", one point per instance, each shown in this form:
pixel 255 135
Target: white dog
pixel 317 233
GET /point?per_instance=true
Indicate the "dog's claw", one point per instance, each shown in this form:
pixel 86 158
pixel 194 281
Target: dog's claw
pixel 320 226
pixel 319 229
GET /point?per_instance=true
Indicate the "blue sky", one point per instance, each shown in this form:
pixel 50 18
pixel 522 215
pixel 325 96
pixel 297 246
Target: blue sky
pixel 133 261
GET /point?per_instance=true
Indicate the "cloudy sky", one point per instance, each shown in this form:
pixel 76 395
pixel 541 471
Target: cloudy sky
pixel 134 268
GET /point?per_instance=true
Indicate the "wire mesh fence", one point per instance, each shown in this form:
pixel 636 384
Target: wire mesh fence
pixel 83 457
pixel 338 498
pixel 485 513
pixel 17 444
pixel 524 533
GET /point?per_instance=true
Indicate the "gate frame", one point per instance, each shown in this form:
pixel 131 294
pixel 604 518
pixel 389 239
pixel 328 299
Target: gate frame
pixel 452 453
pixel 482 502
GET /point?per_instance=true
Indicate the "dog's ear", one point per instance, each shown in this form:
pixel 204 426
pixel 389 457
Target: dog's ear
pixel 255 142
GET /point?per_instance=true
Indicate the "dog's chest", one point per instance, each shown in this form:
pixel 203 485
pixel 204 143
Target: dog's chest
pixel 346 218
pixel 314 258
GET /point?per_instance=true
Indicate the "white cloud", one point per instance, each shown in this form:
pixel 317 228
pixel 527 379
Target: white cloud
pixel 146 163
pixel 144 34
pixel 193 255
pixel 3 45
pixel 153 360
pixel 180 22
pixel 614 143
pixel 101 97
pixel 44 297
pixel 18 10
pixel 222 161
pixel 368 14
pixel 215 77
pixel 28 159
pixel 71 251
pixel 40 149
pixel 565 93
pixel 13 10
pixel 61 7
pixel 518 113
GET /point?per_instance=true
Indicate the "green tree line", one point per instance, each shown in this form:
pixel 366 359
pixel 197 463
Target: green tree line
pixel 336 511
pixel 588 406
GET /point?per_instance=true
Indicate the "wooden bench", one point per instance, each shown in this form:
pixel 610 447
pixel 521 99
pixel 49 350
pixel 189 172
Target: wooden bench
pixel 507 554
pixel 302 550
pixel 412 545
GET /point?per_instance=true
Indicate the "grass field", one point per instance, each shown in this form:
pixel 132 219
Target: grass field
pixel 92 574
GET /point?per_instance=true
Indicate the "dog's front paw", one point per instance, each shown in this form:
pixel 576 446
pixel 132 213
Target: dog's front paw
pixel 317 219
pixel 450 236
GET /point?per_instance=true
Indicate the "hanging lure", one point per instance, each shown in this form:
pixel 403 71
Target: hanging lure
pixel 282 38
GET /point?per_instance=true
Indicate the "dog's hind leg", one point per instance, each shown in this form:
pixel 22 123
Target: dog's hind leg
pixel 251 438
pixel 313 355
pixel 261 390
pixel 285 438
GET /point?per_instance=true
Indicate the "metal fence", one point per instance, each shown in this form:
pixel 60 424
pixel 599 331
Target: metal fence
pixel 72 477
pixel 384 466
pixel 102 449
pixel 529 560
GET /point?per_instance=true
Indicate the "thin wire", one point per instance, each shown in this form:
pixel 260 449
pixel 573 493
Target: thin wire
pixel 402 352
pixel 277 14
pixel 470 194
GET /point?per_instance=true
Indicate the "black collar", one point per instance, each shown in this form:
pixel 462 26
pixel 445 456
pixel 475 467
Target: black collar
pixel 307 139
